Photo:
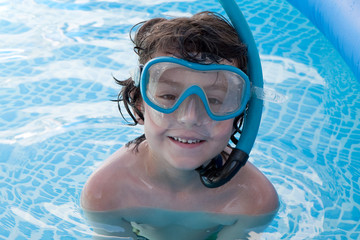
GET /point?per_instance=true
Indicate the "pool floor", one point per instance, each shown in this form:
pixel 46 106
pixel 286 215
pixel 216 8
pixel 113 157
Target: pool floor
pixel 57 123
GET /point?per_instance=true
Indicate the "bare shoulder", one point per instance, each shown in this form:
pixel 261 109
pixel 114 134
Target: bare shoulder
pixel 255 193
pixel 104 188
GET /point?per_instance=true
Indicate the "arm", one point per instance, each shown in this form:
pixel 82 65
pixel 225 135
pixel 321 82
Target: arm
pixel 107 225
pixel 102 194
pixel 246 224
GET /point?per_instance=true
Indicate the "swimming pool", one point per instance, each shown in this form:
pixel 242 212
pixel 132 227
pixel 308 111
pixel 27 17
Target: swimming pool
pixel 57 59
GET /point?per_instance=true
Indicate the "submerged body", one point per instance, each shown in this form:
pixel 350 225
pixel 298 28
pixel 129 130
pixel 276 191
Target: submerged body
pixel 161 224
pixel 124 195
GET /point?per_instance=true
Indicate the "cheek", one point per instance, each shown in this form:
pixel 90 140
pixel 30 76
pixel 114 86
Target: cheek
pixel 149 116
pixel 224 130
pixel 149 123
pixel 151 127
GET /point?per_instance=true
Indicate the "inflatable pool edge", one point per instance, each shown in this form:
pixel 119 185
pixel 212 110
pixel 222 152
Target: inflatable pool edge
pixel 339 21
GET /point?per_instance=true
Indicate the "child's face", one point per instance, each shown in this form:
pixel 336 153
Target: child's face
pixel 186 147
pixel 188 137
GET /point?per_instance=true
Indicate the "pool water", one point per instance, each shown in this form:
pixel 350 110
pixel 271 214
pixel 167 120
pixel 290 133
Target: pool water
pixel 57 123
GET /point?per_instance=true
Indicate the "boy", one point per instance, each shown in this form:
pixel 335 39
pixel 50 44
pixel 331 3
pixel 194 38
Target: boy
pixel 191 104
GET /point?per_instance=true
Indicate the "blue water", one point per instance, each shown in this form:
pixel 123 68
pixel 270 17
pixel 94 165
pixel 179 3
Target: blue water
pixel 57 59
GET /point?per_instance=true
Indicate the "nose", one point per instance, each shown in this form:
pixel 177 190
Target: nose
pixel 192 112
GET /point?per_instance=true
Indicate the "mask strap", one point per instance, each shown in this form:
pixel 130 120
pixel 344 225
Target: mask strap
pixel 136 74
pixel 268 95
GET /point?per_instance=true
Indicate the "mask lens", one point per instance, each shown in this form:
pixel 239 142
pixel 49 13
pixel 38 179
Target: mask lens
pixel 225 95
pixel 168 84
pixel 164 86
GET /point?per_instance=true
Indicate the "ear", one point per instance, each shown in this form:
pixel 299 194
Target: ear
pixel 139 107
pixel 139 120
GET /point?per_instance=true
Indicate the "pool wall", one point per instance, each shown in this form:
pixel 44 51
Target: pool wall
pixel 339 21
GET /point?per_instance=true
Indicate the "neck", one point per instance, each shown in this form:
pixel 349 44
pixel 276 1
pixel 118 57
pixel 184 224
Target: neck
pixel 167 176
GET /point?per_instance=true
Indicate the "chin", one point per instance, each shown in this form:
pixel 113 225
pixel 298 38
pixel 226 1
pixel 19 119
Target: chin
pixel 187 164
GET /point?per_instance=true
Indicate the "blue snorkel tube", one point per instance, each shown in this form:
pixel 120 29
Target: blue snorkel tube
pixel 211 175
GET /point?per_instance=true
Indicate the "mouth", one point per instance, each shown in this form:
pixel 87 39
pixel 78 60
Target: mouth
pixel 186 141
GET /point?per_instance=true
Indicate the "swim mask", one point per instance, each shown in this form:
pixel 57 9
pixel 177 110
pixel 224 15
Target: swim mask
pixel 169 84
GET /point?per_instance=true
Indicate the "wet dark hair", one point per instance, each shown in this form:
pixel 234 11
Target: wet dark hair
pixel 204 38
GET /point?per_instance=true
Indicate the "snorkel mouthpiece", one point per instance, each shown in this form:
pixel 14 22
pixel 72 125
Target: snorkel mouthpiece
pixel 213 176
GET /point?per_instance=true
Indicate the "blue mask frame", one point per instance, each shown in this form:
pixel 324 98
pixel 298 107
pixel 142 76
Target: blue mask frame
pixel 195 89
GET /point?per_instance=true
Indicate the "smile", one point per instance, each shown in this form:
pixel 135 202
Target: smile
pixel 188 141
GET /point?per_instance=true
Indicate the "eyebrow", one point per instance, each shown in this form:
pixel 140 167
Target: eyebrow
pixel 168 81
pixel 216 85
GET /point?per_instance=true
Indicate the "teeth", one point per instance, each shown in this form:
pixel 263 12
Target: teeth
pixel 189 141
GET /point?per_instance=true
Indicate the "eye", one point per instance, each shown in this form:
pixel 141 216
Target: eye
pixel 169 97
pixel 214 101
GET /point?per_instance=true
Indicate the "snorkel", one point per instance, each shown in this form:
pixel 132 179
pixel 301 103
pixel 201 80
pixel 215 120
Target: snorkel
pixel 211 175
